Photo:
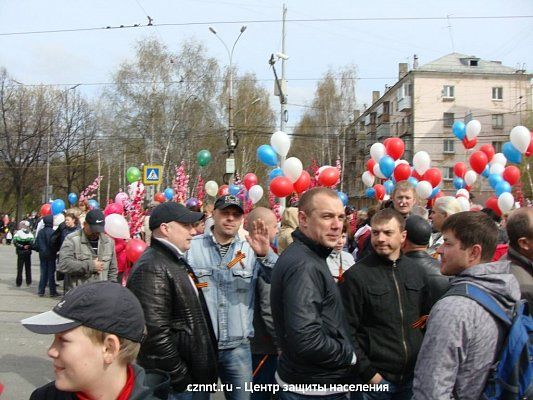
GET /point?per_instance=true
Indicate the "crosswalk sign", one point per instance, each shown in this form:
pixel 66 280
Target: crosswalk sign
pixel 152 174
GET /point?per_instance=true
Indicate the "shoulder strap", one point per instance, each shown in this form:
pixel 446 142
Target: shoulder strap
pixel 482 298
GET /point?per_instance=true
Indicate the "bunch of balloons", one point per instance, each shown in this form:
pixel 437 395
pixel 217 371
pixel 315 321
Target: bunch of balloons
pixel 467 133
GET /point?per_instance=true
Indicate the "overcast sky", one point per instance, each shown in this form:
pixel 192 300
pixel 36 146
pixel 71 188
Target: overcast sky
pixel 374 46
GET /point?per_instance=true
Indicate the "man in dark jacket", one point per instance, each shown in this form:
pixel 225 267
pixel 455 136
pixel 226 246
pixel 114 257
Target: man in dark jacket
pixel 47 257
pixel 384 294
pixel 180 338
pixel 416 243
pixel 306 304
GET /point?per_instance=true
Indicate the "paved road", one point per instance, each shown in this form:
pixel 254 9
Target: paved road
pixel 23 361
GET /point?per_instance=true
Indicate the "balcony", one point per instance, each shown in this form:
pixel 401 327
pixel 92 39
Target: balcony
pixel 383 119
pixel 383 131
pixel 404 104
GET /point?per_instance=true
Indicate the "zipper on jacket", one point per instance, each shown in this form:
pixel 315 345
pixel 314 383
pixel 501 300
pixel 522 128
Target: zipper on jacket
pixel 394 269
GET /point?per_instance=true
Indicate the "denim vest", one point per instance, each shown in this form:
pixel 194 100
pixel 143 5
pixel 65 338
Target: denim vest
pixel 230 291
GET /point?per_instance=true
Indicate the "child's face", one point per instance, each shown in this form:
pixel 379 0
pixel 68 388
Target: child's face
pixel 341 242
pixel 78 361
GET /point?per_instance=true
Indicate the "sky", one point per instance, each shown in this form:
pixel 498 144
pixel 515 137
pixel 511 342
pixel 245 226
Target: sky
pixel 374 36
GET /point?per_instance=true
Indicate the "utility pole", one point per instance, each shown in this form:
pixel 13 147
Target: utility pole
pixel 99 171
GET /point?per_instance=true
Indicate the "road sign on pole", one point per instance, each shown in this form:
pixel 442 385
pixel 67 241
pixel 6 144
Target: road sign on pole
pixel 152 174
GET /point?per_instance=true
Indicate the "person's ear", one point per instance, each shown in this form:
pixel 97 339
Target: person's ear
pixel 523 244
pixel 111 348
pixel 404 236
pixel 474 254
pixel 302 218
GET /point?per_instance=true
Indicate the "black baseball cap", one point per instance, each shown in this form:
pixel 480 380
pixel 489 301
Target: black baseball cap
pixel 228 201
pixel 171 211
pixel 96 220
pixel 105 306
pixel 418 230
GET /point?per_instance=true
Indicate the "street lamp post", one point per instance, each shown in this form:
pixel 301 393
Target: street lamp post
pixel 230 161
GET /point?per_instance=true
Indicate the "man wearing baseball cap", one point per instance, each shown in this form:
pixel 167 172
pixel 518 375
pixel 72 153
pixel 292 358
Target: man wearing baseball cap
pixel 97 328
pixel 227 267
pixel 180 338
pixel 88 255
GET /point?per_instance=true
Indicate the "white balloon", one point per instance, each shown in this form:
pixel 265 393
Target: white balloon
pixel 421 162
pixel 59 218
pixel 378 173
pixel 292 168
pixel 424 189
pixel 496 169
pixel 386 197
pixel 377 150
pixel 117 227
pixel 472 129
pixel 462 193
pixel 520 138
pixel 464 203
pixel 470 177
pixel 505 202
pixel 368 179
pixel 280 142
pixel 211 188
pixel 499 158
pixel 255 193
pixel 398 162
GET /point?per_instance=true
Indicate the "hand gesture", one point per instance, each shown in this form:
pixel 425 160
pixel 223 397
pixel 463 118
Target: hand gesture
pixel 258 238
pixel 98 266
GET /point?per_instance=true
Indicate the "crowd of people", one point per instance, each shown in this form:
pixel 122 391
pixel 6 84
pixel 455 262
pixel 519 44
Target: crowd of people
pixel 329 303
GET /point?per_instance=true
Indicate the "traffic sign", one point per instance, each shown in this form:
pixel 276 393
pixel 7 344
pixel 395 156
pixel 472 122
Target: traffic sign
pixel 152 174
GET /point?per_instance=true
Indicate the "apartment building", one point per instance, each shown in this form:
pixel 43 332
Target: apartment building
pixel 422 106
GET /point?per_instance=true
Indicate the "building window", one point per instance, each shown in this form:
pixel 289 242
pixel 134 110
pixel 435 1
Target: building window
pixel 448 119
pixel 497 93
pixel 448 92
pixel 497 121
pixel 449 146
pixel 473 63
pixel 497 146
pixel 448 173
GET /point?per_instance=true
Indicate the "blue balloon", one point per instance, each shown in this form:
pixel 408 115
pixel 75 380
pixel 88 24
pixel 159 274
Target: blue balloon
pixel 511 153
pixel 494 180
pixel 72 198
pixel 502 187
pixel 267 155
pixel 275 173
pixel 93 204
pixel 486 172
pixel 58 206
pixel 459 129
pixel 386 165
pixel 434 193
pixel 458 183
pixel 389 186
pixel 370 192
pixel 343 197
pixel 413 181
pixel 234 190
pixel 169 193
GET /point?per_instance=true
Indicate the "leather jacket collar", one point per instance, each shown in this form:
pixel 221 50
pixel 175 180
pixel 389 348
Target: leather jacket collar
pixel 322 251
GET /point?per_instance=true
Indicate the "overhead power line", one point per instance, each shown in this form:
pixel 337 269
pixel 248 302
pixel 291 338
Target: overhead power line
pixel 270 21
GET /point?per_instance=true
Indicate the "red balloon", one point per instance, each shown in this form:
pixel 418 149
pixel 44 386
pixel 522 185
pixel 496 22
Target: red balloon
pixel 250 179
pixel 468 188
pixel 529 150
pixel 394 147
pixel 46 209
pixel 488 149
pixel 469 143
pixel 478 161
pixel 402 172
pixel 386 141
pixel 459 169
pixel 433 176
pixel 303 182
pixel 281 186
pixel 223 190
pixel 416 175
pixel 160 197
pixel 329 176
pixel 134 249
pixel 380 191
pixel 370 165
pixel 511 174
pixel 114 208
pixel 492 203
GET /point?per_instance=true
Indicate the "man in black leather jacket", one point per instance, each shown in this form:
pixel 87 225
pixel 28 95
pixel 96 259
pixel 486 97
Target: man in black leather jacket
pixel 180 338
pixel 384 294
pixel 306 304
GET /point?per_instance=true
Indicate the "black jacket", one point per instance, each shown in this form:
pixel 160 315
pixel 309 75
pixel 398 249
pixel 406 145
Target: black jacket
pixel 438 283
pixel 180 338
pixel 309 317
pixel 382 299
pixel 43 243
pixel 152 385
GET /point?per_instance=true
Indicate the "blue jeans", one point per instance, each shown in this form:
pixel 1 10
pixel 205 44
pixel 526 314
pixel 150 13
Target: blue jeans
pixel 265 374
pixel 295 396
pixel 235 368
pixel 48 272
pixel 188 395
pixel 396 392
